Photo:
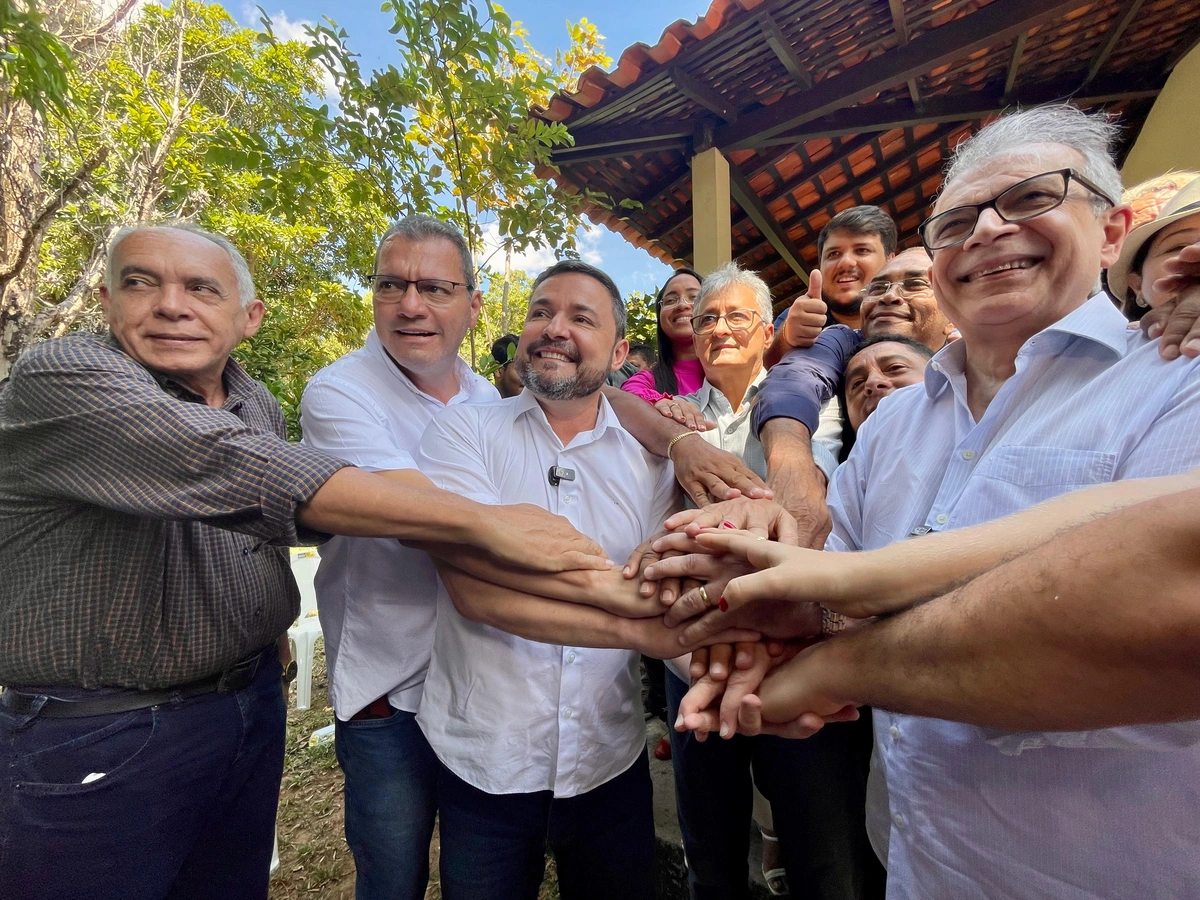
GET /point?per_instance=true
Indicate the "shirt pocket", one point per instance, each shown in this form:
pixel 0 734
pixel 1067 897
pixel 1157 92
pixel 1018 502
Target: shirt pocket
pixel 1034 474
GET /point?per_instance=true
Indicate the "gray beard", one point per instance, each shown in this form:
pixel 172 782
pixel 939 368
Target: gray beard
pixel 585 382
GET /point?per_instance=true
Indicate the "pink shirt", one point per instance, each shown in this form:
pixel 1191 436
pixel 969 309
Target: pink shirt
pixel 688 372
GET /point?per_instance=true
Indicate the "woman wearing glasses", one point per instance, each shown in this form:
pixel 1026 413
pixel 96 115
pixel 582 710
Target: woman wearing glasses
pixel 677 370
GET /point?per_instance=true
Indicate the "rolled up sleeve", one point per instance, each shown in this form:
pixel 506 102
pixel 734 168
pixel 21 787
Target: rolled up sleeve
pixel 98 429
pixel 804 380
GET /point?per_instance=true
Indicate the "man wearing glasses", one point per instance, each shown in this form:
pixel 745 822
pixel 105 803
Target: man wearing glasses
pixel 377 598
pixel 1047 392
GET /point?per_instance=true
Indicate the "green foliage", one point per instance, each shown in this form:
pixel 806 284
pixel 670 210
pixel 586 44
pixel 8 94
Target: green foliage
pixel 642 327
pixel 35 64
pixel 503 312
pixel 181 112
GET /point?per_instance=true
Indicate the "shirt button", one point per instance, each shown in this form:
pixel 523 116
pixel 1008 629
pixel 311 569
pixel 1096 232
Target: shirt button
pixel 571 657
pixel 894 732
pixel 731 429
pixel 968 454
pixel 899 820
pixel 942 518
pixel 937 367
pixel 567 499
pixel 567 713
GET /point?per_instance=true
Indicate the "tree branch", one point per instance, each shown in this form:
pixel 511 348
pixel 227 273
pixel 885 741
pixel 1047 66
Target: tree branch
pixel 37 228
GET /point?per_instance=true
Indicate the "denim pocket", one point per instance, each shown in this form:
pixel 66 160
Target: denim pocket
pixel 56 755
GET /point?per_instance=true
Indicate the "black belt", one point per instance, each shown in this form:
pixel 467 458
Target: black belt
pixel 237 677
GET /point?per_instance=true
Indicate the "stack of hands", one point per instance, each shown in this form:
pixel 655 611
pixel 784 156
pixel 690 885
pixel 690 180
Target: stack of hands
pixel 731 573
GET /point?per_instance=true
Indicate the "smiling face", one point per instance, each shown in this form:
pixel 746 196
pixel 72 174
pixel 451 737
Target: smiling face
pixel 915 315
pixel 723 347
pixel 848 262
pixel 422 338
pixel 1009 280
pixel 875 372
pixel 675 313
pixel 175 306
pixel 569 343
pixel 1166 244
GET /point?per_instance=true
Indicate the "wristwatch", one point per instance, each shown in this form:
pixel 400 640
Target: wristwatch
pixel 831 622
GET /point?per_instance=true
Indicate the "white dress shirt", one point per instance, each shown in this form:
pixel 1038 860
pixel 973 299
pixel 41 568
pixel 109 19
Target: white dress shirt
pixel 509 715
pixel 978 813
pixel 376 598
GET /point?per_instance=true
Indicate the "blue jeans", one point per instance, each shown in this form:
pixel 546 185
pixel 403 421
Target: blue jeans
pixel 494 845
pixel 817 791
pixel 186 807
pixel 391 803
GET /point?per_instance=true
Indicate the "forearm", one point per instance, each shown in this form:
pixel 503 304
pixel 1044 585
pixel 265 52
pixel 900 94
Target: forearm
pixel 910 571
pixel 1093 629
pixel 531 617
pixel 402 504
pixel 608 590
pixel 648 426
pixel 787 448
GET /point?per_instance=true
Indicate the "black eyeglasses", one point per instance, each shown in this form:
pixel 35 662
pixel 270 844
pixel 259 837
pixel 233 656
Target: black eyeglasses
pixel 738 320
pixel 1025 200
pixel 392 288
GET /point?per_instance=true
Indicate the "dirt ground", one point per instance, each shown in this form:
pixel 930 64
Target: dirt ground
pixel 314 860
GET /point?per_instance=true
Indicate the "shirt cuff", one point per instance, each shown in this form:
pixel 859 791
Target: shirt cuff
pixel 292 477
pixel 825 461
pixel 785 404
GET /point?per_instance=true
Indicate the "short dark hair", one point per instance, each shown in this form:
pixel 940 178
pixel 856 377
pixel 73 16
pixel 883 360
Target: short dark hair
pixel 858 221
pixel 920 348
pixel 500 348
pixel 579 267
pixel 645 350
pixel 420 228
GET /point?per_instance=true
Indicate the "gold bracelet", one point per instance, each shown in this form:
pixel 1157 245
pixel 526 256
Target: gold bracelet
pixel 675 440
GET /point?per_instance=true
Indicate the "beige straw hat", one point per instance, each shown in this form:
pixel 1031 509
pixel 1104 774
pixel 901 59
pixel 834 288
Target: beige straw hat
pixel 1185 203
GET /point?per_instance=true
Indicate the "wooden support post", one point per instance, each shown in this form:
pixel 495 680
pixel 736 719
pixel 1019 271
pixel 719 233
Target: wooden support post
pixel 710 210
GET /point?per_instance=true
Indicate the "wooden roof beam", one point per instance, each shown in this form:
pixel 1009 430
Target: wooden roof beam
pixel 904 114
pixel 569 155
pixel 783 49
pixel 995 23
pixel 1128 11
pixel 1014 64
pixel 900 26
pixel 703 95
pixel 752 205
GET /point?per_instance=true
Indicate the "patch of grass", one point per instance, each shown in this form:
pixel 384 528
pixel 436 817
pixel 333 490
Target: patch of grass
pixel 314 860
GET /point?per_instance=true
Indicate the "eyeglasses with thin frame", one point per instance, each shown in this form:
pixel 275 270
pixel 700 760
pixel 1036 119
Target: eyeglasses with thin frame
pixel 738 321
pixel 905 288
pixel 1025 200
pixel 672 300
pixel 392 288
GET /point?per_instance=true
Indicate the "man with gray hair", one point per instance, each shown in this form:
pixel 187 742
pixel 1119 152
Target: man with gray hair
pixel 1047 392
pixel 377 598
pixel 147 499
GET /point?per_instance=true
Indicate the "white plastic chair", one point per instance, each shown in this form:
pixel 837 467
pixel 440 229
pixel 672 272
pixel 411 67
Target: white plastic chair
pixel 303 636
pixel 304 633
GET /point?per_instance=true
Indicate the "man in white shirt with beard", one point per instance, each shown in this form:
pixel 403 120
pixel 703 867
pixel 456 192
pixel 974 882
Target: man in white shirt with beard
pixel 540 742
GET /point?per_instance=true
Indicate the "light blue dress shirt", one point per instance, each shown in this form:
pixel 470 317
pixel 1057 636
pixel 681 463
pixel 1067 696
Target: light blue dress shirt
pixel 976 813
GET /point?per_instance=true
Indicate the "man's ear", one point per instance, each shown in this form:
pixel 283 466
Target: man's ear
pixel 619 354
pixel 254 317
pixel 105 300
pixel 476 305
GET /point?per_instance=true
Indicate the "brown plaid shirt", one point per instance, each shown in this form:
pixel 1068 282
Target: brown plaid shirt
pixel 143 534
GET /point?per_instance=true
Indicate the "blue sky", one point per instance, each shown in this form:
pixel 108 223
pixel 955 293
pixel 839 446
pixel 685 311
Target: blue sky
pixel 622 22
